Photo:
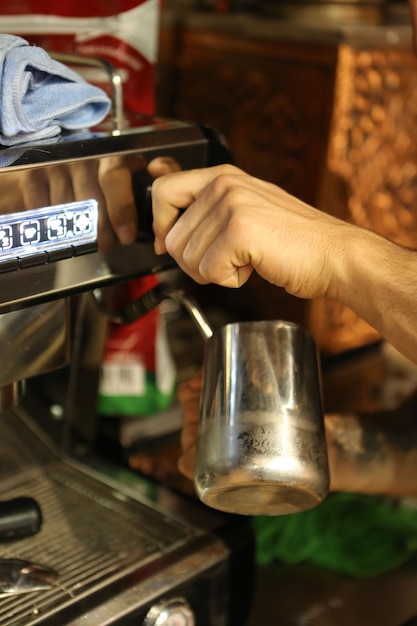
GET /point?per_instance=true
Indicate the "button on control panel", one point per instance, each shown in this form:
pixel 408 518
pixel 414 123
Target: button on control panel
pixel 48 234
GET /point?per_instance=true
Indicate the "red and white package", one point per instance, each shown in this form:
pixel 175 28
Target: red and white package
pixel 122 32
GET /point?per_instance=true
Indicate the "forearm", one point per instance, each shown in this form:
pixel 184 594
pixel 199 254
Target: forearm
pixel 235 224
pixel 374 453
pixel 378 280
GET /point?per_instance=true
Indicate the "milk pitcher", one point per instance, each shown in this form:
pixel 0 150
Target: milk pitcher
pixel 261 447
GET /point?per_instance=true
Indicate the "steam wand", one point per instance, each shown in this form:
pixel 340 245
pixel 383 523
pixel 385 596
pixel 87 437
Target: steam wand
pixel 151 299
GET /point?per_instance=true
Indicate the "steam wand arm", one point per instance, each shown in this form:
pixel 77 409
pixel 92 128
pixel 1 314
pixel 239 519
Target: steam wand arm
pixel 151 299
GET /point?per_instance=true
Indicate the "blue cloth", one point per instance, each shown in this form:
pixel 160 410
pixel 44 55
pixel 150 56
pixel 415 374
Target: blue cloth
pixel 40 96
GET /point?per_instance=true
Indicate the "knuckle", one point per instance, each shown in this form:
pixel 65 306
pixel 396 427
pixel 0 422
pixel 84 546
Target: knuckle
pixel 158 186
pixel 171 244
pixel 223 183
pixel 188 256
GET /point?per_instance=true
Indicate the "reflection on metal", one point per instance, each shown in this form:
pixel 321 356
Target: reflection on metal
pixel 261 447
pixel 19 576
pixel 11 394
pixel 32 341
pixel 112 169
pixel 151 299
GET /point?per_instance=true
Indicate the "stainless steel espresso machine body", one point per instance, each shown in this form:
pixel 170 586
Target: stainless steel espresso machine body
pixel 110 167
pixel 126 551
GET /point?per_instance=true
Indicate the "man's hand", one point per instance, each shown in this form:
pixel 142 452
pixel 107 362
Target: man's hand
pixel 234 224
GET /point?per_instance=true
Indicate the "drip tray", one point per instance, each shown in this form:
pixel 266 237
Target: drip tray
pixel 102 542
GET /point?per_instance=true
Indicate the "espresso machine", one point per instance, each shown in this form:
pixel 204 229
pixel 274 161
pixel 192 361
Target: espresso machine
pixel 105 546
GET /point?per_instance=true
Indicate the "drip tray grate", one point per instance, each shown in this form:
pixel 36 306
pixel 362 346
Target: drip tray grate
pixel 92 534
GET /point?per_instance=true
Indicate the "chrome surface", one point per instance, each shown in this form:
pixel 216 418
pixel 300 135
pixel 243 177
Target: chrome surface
pixel 110 166
pixel 32 341
pixel 18 576
pixel 173 612
pixel 194 311
pixel 261 447
pixel 11 393
pixel 151 299
pixel 117 551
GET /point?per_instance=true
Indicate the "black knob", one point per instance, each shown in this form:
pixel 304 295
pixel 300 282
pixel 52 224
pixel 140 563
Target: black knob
pixel 19 517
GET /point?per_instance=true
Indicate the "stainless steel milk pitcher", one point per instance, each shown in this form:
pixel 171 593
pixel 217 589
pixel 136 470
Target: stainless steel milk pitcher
pixel 261 447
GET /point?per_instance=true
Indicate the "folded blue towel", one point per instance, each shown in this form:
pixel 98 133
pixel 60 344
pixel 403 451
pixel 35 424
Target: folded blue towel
pixel 40 96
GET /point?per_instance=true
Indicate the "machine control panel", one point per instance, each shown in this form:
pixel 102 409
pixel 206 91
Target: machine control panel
pixel 52 233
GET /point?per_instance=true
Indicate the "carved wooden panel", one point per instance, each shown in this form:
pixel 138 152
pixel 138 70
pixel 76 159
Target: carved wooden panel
pixel 372 161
